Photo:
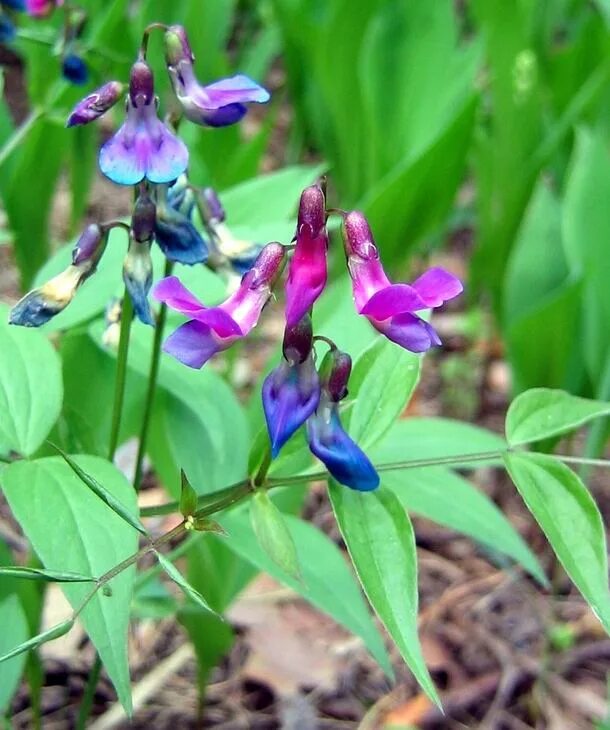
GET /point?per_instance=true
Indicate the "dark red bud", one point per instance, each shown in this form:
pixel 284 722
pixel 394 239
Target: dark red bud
pixel 298 341
pixel 312 209
pixel 141 84
pixel 88 244
pixel 358 237
pixel 143 218
pixel 268 266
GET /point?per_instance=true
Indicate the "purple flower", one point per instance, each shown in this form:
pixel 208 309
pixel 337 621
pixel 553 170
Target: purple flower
pixel 391 307
pixel 307 269
pixel 215 105
pixel 291 392
pixel 143 147
pixel 95 104
pixel 343 458
pixel 212 329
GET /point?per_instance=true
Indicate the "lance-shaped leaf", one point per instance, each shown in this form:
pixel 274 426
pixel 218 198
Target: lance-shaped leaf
pixel 182 583
pixel 543 412
pixel 569 518
pixel 104 494
pixel 273 535
pixel 53 633
pixel 188 496
pixel 50 576
pixel 381 544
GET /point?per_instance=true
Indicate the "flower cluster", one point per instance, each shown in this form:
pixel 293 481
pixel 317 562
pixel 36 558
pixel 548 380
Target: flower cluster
pixel 146 153
pixel 296 393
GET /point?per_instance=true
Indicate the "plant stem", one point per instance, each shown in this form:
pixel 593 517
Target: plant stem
pixel 121 374
pixel 152 386
pixel 89 694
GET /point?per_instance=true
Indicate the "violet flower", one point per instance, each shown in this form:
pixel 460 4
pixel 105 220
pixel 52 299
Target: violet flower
pixel 341 455
pixel 307 268
pixel 291 392
pixel 391 307
pixel 144 147
pixel 41 8
pixel 95 104
pixel 215 105
pixel 212 329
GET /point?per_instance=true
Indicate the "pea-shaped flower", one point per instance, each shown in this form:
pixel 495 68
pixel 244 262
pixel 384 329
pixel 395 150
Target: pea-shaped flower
pixel 389 307
pixel 307 268
pixel 343 458
pixel 215 105
pixel 175 233
pixel 212 329
pixel 291 392
pixel 144 147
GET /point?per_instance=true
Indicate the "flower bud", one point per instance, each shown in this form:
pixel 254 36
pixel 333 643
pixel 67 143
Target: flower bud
pixel 141 84
pixel 268 266
pixel 90 246
pixel 298 341
pixel 358 237
pixel 334 374
pixel 137 275
pixel 143 218
pixel 177 47
pixel 98 103
pixel 74 69
pixel 312 209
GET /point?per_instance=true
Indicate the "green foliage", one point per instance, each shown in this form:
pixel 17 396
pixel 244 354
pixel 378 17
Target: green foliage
pixel 272 534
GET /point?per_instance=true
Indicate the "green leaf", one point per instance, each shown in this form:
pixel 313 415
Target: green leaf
pixel 450 500
pixel 327 582
pixel 104 494
pixel 569 518
pixel 30 388
pixel 53 576
pixel 381 544
pixel 182 583
pixel 14 631
pixel 188 496
pixel 273 535
pixel 542 412
pixel 53 633
pixel 65 522
pixel 381 385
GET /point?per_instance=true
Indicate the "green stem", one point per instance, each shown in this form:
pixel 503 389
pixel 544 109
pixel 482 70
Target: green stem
pixel 261 474
pixel 89 694
pixel 121 374
pixel 19 134
pixel 152 386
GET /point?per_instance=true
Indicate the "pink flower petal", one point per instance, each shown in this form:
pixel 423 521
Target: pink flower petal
pixel 393 300
pixel 437 286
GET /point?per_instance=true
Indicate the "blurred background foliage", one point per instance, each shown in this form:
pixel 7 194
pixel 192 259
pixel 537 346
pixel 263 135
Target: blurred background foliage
pixel 484 120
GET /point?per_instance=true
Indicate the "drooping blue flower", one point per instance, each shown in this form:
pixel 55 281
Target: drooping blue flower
pixel 144 147
pixel 74 69
pixel 137 265
pixel 7 29
pixel 175 233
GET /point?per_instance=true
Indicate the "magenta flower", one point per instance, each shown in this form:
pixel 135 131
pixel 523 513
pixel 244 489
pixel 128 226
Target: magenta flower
pixel 40 8
pixel 212 329
pixel 391 307
pixel 143 147
pixel 307 268
pixel 216 105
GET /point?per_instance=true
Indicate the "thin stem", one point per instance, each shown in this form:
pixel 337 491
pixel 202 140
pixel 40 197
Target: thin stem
pixel 89 694
pixel 261 474
pixel 583 460
pixel 152 386
pixel 19 134
pixel 146 35
pixel 121 374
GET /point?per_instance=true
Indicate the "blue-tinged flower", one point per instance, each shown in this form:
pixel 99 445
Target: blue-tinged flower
pixel 7 29
pixel 391 308
pixel 74 69
pixel 95 104
pixel 212 329
pixel 343 458
pixel 307 268
pixel 40 305
pixel 13 4
pixel 215 105
pixel 175 233
pixel 137 265
pixel 144 147
pixel 291 392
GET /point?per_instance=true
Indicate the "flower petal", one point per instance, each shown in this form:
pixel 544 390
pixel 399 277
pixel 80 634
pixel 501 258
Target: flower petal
pixel 343 458
pixel 307 273
pixel 171 291
pixel 220 321
pixel 168 158
pixel 437 286
pixel 410 332
pixel 193 344
pixel 392 300
pixel 222 117
pixel 238 89
pixel 122 159
pixel 179 239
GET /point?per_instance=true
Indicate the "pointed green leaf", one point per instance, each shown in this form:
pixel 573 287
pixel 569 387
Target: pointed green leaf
pixel 188 496
pixel 273 535
pixel 570 519
pixel 100 491
pixel 31 388
pixel 450 500
pixel 63 520
pixel 53 633
pixel 380 540
pixel 327 581
pixel 182 583
pixel 14 631
pixel 55 576
pixel 543 412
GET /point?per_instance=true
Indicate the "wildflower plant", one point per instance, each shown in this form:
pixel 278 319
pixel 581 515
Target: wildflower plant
pixel 328 408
